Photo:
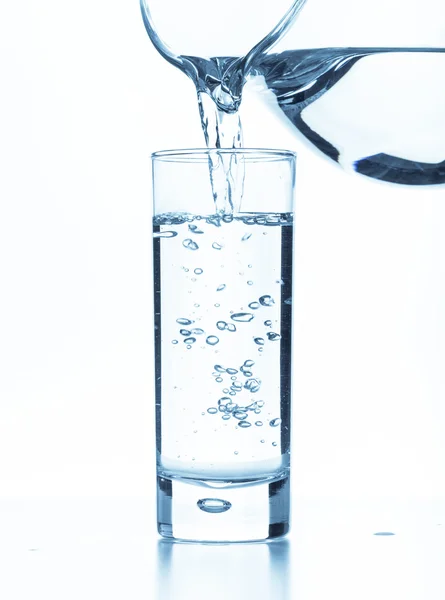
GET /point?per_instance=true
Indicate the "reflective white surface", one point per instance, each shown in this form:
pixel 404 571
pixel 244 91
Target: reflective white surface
pixel 107 548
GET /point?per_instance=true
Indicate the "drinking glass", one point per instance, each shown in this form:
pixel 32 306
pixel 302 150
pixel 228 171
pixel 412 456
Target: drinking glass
pixel 223 330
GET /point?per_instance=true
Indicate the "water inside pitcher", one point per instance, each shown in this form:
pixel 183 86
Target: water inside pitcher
pixel 363 83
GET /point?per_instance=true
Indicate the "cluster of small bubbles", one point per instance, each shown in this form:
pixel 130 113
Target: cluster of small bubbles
pixel 222 325
pixel 214 220
pixel 212 340
pixel 194 229
pixel 254 305
pixel 273 337
pixel 240 415
pixel 174 341
pixel 246 237
pixel 268 323
pixel 221 287
pixel 184 321
pixel 250 282
pixel 242 317
pixel 253 385
pixel 190 244
pixel 165 234
pixel 259 423
pixel 288 301
pixel 197 331
pixel 198 271
pixel 190 340
pixel 212 410
pixel 275 422
pixel 259 341
pixel 216 246
pixel 267 300
pixel 185 332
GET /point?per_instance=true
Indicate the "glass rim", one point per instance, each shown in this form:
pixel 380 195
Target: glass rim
pixel 203 154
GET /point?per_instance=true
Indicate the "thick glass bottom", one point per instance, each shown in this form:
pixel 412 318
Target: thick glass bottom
pixel 191 511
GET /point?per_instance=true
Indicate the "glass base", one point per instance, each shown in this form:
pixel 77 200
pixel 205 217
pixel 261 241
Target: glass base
pixel 194 511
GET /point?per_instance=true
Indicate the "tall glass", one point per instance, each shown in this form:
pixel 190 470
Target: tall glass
pixel 223 330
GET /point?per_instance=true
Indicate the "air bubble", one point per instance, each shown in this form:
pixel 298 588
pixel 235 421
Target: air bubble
pixel 249 363
pixel 259 341
pixel 194 229
pixel 184 321
pixel 185 332
pixel 216 246
pixel 280 281
pixel 288 301
pixel 268 323
pixel 226 417
pixel 219 379
pixel 221 287
pixel 246 237
pixel 246 373
pixel 212 411
pixel 240 415
pixel 174 341
pixel 259 423
pixel 275 422
pixel 197 331
pixel 190 244
pixel 212 340
pixel 262 441
pixel 219 368
pixel 217 305
pixel 244 424
pixel 236 452
pixel 230 327
pixel 190 340
pixel 232 371
pixel 198 271
pixel 221 325
pixel 188 346
pixel 274 444
pixel 242 317
pixel 273 337
pixel 165 234
pixel 253 385
pixel 267 300
pixel 254 305
pixel 250 283
pixel 214 505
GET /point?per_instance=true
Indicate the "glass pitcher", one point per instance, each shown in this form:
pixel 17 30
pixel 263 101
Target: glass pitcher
pixel 364 83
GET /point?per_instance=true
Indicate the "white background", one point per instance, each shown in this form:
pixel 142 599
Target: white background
pixel 84 100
